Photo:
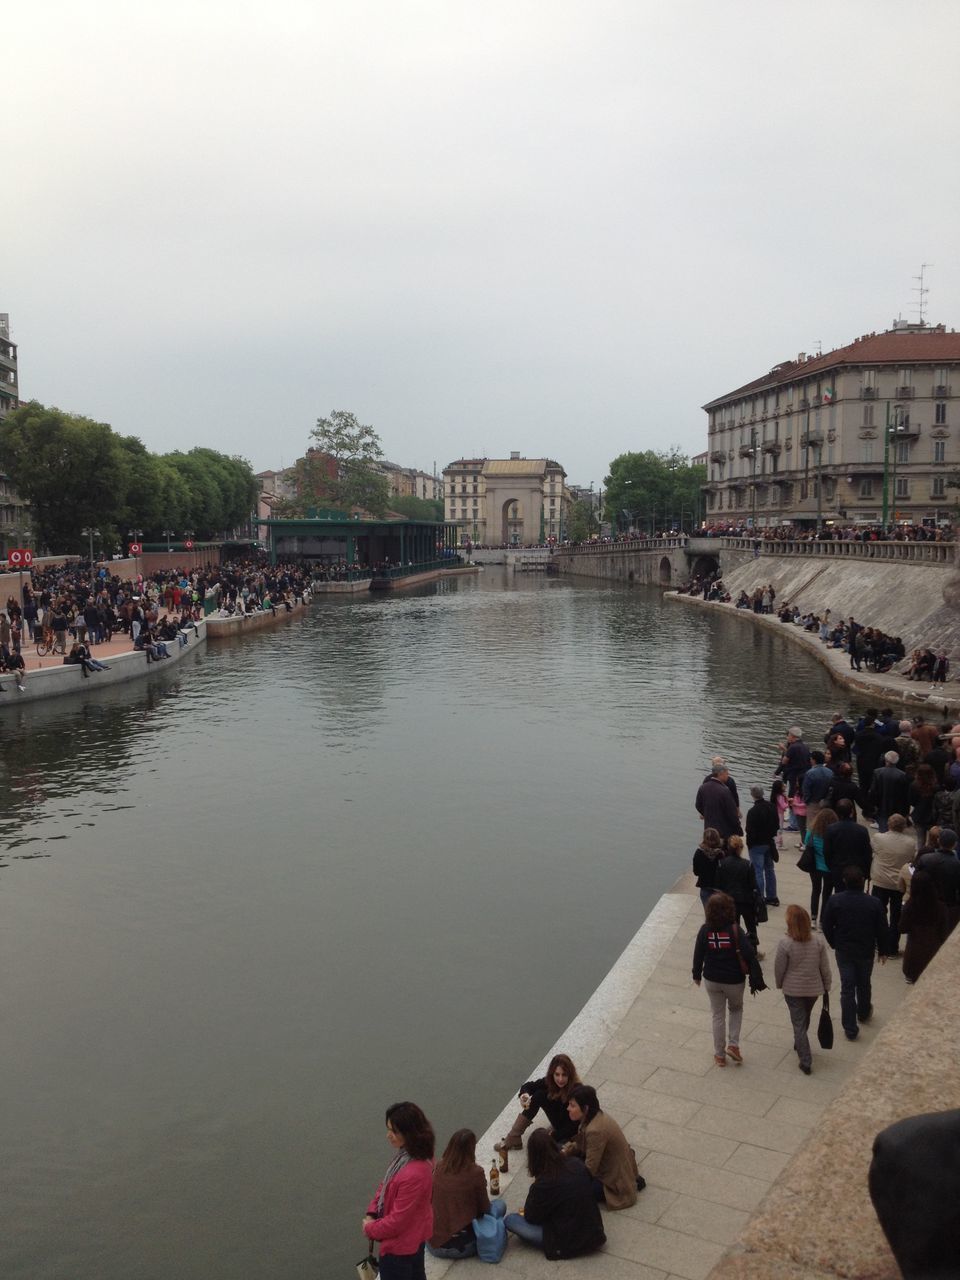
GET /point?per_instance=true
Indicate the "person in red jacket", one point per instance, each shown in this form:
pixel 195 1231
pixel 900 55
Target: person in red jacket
pixel 400 1215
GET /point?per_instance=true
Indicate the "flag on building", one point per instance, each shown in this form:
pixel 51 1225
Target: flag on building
pixel 828 396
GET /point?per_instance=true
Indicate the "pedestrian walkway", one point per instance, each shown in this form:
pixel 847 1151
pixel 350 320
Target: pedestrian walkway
pixel 711 1142
pixel 120 643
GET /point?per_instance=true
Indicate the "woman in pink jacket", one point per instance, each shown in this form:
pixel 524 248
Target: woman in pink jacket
pixel 399 1216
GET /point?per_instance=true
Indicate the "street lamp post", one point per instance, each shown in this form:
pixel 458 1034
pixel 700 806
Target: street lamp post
pixel 886 472
pixel 168 534
pixel 753 476
pixel 89 532
pixel 137 536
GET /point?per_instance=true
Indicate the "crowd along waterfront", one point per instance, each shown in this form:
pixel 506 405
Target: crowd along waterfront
pixel 386 851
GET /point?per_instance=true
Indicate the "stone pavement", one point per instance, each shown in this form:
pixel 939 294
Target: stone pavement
pixel 711 1142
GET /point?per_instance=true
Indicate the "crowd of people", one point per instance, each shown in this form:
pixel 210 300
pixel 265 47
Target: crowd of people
pixel 829 532
pixel 74 607
pixel 866 646
pixel 877 803
pixel 577 1162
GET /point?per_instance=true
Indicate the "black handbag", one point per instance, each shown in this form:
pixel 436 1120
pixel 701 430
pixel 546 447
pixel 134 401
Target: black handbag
pixel 825 1025
pixel 760 908
pixel 807 860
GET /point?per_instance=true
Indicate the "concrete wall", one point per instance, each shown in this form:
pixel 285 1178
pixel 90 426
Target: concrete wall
pixel 661 567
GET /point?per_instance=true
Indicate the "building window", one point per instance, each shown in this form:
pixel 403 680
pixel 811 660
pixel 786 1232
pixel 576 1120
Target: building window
pixel 804 490
pixel 869 377
pixel 868 415
pixel 903 487
pixel 905 378
pixel 938 487
pixel 866 488
pixel 940 414
pixel 866 451
pixel 939 450
pixel 903 451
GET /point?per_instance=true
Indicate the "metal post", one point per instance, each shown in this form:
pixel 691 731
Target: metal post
pixel 886 471
pixel 819 488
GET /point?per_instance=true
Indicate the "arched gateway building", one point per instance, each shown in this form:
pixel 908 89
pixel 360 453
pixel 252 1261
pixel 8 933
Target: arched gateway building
pixel 514 501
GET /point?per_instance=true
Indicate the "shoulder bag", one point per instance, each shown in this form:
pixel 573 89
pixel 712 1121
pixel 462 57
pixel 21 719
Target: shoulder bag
pixel 491 1235
pixel 808 859
pixel 750 968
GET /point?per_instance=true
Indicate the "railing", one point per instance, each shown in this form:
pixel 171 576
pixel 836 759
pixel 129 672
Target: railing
pixel 911 552
pixel 676 543
pixel 425 566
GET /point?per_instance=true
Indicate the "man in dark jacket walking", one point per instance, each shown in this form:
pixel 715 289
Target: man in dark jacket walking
pixel 855 925
pixel 944 867
pixel 715 804
pixel 890 790
pixel 846 843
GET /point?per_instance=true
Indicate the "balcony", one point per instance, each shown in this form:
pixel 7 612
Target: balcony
pixel 746 451
pixel 811 440
pixel 941 391
pixel 905 431
pixel 718 455
pixel 804 402
pixel 904 393
pixel 868 393
pixel 862 469
pixel 771 446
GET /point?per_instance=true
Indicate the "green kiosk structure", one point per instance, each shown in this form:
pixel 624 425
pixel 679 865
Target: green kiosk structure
pixel 392 547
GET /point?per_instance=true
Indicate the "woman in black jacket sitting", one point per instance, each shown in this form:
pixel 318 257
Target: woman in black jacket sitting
pixel 549 1095
pixel 561 1213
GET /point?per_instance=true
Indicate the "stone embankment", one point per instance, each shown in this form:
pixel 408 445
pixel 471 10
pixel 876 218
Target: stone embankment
pixel 918 600
pixel 755 1172
pixel 932 700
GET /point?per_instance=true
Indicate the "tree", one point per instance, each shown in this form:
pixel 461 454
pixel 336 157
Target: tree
pixel 427 509
pixel 658 489
pixel 582 521
pixel 71 470
pixel 355 449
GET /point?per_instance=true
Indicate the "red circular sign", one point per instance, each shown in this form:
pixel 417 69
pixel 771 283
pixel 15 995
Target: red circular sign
pixel 189 544
pixel 20 557
pixel 135 548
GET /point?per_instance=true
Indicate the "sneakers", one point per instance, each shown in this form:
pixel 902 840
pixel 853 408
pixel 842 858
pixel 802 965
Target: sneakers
pixel 720 1059
pixel 772 902
pixel 733 1051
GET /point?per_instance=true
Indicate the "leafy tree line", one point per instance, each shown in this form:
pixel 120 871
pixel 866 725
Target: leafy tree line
pixel 653 490
pixel 76 474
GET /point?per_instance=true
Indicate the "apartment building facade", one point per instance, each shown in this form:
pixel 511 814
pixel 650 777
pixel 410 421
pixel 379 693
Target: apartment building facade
pixel 14 512
pixel 511 501
pixel 867 430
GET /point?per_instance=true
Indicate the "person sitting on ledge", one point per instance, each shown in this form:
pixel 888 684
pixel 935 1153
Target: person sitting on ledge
pixel 560 1214
pixel 601 1145
pixel 550 1094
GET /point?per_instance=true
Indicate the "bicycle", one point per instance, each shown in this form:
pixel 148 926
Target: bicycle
pixel 45 642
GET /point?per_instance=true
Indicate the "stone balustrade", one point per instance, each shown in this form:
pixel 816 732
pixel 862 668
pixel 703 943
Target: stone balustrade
pixel 677 543
pixel 909 552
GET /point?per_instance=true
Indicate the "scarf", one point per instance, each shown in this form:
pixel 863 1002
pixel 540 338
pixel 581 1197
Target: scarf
pixel 399 1160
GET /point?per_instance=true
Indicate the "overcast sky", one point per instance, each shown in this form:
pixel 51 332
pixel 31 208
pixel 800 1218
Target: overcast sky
pixel 556 226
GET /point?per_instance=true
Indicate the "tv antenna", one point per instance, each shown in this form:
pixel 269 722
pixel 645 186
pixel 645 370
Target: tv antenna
pixel 921 291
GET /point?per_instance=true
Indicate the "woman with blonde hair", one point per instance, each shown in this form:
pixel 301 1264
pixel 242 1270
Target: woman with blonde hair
pixel 802 972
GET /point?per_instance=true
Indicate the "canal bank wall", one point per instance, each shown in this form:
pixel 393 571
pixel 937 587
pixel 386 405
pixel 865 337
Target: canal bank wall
pixel 920 602
pixel 932 700
pixel 757 1172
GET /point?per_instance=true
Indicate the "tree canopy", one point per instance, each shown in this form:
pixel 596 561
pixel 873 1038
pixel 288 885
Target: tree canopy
pixel 76 473
pixel 655 489
pixel 582 521
pixel 340 469
pixel 428 509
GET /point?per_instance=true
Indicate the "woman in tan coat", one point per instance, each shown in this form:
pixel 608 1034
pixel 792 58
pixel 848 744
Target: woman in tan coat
pixel 802 972
pixel 601 1145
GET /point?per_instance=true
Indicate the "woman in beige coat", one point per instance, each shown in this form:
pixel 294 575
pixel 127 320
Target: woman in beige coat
pixel 802 972
pixel 601 1145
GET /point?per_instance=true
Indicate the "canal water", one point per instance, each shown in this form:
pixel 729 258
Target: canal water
pixel 384 852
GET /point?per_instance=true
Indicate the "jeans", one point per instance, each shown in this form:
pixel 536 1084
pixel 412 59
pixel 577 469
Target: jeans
pixel 518 1224
pixel 706 895
pixel 855 993
pixel 721 995
pixel 800 1009
pixel 402 1266
pixel 763 865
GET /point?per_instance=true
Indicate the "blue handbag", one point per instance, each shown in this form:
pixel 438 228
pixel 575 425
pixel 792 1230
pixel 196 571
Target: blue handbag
pixel 491 1234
